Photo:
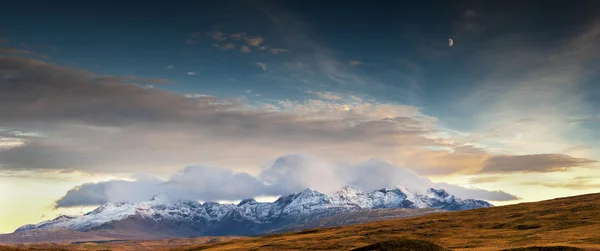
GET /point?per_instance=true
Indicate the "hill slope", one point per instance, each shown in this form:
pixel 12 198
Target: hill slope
pixel 132 245
pixel 572 221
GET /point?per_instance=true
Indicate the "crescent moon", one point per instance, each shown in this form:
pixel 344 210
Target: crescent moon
pixel 450 42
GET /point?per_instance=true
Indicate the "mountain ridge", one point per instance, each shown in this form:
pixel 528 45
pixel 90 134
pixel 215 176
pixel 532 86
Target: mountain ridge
pixel 184 218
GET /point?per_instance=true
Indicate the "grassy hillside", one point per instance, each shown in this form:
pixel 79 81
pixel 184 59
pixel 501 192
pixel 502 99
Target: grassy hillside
pixel 572 222
pixel 119 245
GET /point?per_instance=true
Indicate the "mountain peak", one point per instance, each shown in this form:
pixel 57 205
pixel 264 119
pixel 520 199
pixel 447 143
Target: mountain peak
pixel 396 190
pixel 64 217
pixel 438 192
pixel 249 201
pixel 160 199
pixel 350 189
pixel 348 192
pixel 103 207
pixel 309 192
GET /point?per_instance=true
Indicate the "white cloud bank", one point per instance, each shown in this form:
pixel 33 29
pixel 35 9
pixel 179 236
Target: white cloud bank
pixel 287 174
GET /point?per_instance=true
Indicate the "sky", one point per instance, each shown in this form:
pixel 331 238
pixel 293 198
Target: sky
pixel 104 101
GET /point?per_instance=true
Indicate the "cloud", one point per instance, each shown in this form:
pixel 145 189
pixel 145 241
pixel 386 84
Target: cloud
pixel 485 179
pixel 13 138
pixel 533 163
pixel 585 120
pixel 335 105
pixel 245 49
pixel 576 183
pixel 126 124
pixel 191 73
pixel 8 143
pixel 19 52
pixel 192 183
pixel 56 175
pixel 237 36
pixel 217 36
pixel 189 41
pixel 155 81
pixel 228 46
pixel 128 79
pixel 7 50
pixel 254 41
pixel 287 174
pixel 326 95
pixel 355 63
pixel 542 90
pixel 276 51
pixel 310 57
pixel 90 194
pixel 4 40
pixel 262 65
pixel 246 42
pixel 242 40
pixel 292 173
pixel 170 67
pixel 110 124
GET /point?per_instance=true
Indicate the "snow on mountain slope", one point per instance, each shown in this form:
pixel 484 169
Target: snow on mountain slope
pixel 440 199
pixel 105 213
pixel 305 206
pixel 352 198
pixel 307 201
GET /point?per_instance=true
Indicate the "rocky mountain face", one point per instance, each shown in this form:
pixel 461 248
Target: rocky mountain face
pixel 162 218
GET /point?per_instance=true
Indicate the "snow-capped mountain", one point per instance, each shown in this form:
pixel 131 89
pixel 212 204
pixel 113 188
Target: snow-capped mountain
pixel 190 218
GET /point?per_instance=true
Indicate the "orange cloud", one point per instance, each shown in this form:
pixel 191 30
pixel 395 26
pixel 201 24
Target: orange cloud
pixel 354 63
pixel 254 41
pixel 245 49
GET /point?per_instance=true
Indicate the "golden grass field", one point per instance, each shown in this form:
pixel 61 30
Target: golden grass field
pixel 572 221
pixel 125 245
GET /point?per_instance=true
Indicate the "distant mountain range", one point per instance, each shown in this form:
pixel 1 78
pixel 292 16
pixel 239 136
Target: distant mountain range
pixel 163 218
